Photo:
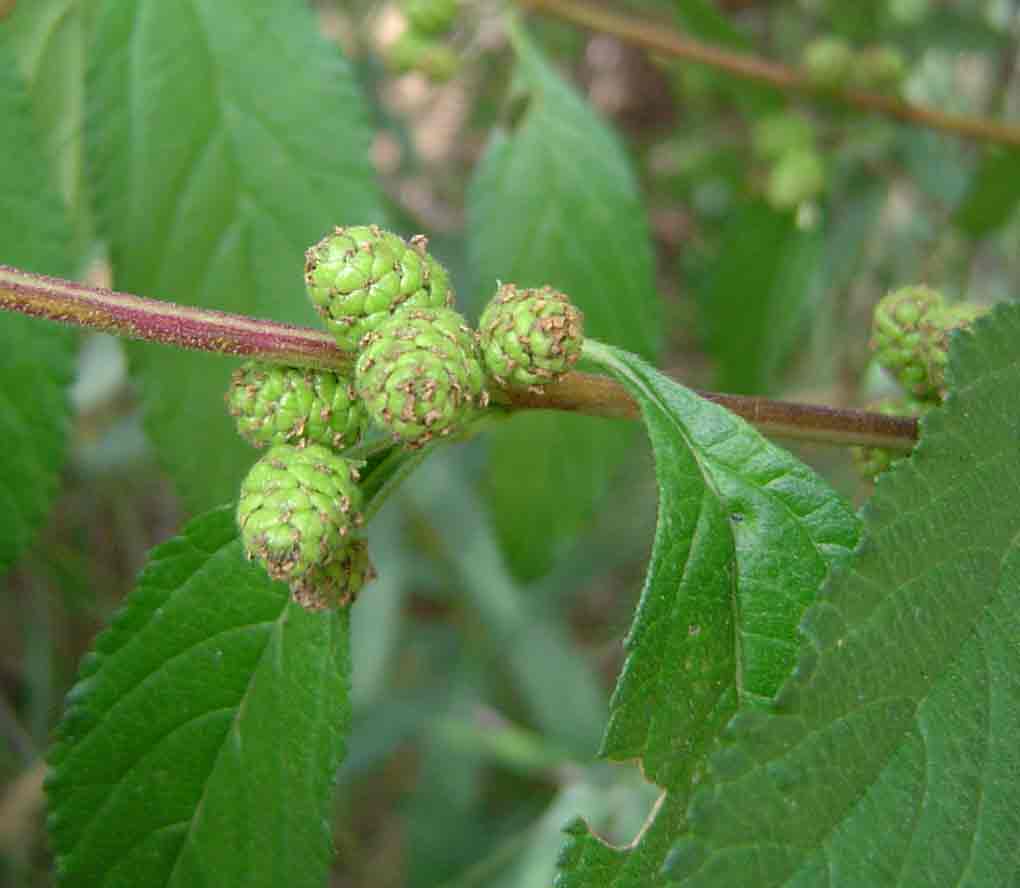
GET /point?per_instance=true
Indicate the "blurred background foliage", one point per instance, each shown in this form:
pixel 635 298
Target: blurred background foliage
pixel 483 669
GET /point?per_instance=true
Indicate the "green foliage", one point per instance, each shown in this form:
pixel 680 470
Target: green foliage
pixel 223 140
pixel 993 194
pixel 756 295
pixel 50 39
pixel 36 358
pixel 889 758
pixel 200 744
pixel 803 705
pixel 555 202
pixel 745 536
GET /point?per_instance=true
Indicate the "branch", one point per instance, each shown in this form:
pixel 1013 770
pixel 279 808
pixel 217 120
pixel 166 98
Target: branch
pixel 201 329
pixel 134 317
pixel 657 38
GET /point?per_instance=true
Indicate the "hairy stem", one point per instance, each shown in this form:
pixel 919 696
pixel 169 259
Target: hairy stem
pixel 200 329
pixel 657 38
pixel 153 320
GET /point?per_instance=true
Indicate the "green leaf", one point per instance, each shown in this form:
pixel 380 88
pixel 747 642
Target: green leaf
pixel 51 39
pixel 891 757
pixel 555 202
pixel 225 138
pixel 201 742
pixel 36 357
pixel 745 536
pixel 993 194
pixel 530 641
pixel 758 290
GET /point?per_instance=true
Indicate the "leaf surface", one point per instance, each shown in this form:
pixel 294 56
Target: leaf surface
pixel 225 138
pixel 36 357
pixel 555 202
pixel 745 536
pixel 993 194
pixel 757 293
pixel 891 756
pixel 201 742
pixel 51 41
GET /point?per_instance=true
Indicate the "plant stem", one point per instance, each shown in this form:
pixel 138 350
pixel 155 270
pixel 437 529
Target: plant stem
pixel 201 329
pixel 153 320
pixel 658 38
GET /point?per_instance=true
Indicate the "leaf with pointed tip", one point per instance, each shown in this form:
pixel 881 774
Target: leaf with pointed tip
pixel 36 357
pixel 890 758
pixel 745 536
pixel 225 137
pixel 555 202
pixel 200 745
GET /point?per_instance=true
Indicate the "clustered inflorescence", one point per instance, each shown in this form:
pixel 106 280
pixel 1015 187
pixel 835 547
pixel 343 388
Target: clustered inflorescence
pixel 910 340
pixel 420 374
pixel 422 46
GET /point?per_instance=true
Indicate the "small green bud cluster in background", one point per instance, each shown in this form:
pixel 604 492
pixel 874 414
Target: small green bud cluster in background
pixel 420 47
pixel 418 375
pixel 831 63
pixel 910 339
pixel 786 141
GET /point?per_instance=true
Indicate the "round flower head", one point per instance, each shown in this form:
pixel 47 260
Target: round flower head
pixel 337 583
pixel 292 405
pixel 298 508
pixel 935 346
pixel 530 337
pixel 358 276
pixel 904 322
pixel 419 374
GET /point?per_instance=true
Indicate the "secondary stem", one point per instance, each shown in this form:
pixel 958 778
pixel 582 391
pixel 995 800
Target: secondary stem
pixel 657 38
pixel 153 320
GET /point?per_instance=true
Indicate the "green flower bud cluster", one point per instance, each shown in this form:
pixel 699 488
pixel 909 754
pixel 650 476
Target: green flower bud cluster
pixel 797 174
pixel 299 507
pixel 910 337
pixel 419 47
pixel 831 63
pixel 336 583
pixel 418 375
pixel 530 337
pixel 273 404
pixel 357 277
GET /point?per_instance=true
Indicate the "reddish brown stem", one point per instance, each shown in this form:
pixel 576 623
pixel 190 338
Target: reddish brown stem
pixel 657 38
pixel 201 329
pixel 153 320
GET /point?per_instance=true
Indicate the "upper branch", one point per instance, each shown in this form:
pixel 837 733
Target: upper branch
pixel 656 38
